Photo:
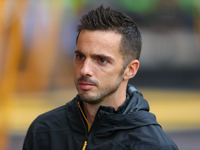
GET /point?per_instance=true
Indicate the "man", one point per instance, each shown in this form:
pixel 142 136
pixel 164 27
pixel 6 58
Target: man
pixel 107 113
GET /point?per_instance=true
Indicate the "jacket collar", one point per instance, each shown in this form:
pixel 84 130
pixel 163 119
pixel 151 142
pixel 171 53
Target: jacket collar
pixel 133 113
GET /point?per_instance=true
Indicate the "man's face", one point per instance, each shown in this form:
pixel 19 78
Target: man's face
pixel 98 65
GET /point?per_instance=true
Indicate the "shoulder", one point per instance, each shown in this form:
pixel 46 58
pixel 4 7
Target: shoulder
pixel 168 147
pixel 46 122
pixel 49 120
pixel 155 136
pixel 150 133
pixel 150 137
pixel 53 120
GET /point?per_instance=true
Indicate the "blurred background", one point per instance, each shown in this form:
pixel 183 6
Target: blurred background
pixel 37 43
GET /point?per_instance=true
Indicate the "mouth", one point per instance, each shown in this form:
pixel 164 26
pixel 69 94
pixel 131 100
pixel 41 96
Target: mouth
pixel 85 85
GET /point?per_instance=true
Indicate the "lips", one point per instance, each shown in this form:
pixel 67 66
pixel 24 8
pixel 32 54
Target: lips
pixel 85 86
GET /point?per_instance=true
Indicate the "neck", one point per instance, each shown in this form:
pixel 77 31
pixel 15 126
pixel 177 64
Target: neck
pixel 115 100
pixel 90 111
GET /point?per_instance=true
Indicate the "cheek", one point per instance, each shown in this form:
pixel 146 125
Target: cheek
pixel 76 71
pixel 108 77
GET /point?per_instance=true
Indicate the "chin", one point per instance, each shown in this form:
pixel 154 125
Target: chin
pixel 88 98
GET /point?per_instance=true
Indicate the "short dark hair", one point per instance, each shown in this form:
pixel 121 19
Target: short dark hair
pixel 108 19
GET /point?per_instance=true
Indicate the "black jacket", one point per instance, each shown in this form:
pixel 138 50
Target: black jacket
pixel 131 127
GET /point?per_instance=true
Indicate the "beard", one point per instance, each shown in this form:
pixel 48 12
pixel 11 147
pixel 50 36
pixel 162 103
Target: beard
pixel 100 95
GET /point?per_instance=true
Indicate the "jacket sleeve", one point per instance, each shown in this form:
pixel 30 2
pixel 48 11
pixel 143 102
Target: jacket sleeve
pixel 27 145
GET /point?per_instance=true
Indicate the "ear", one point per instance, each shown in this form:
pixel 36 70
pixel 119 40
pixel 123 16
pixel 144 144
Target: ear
pixel 131 69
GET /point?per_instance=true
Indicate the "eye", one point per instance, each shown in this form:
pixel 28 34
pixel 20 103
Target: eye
pixel 102 60
pixel 80 56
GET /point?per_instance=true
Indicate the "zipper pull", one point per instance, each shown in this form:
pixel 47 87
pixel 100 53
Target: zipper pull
pixel 84 146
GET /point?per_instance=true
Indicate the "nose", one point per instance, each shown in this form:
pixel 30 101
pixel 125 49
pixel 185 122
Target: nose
pixel 86 69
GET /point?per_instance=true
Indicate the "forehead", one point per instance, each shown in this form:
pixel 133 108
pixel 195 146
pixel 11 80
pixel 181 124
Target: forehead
pixel 99 41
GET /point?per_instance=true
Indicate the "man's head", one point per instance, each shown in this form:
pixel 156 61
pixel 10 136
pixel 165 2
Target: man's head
pixel 106 56
pixel 107 19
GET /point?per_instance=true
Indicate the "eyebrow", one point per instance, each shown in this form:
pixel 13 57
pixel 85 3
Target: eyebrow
pixel 98 55
pixel 103 56
pixel 78 52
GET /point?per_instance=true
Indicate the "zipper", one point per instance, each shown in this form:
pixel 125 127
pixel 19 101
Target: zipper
pixel 84 146
pixel 88 132
pixel 88 125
